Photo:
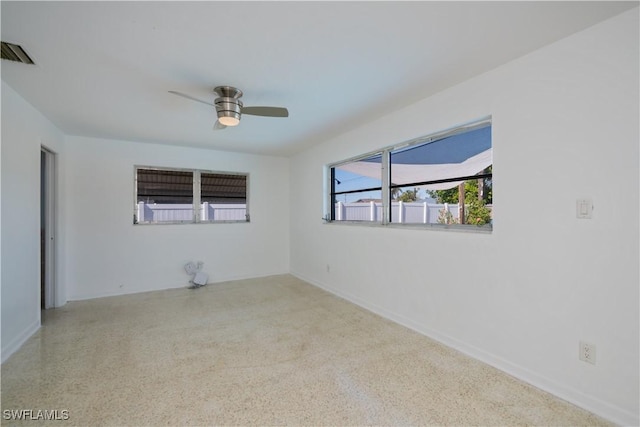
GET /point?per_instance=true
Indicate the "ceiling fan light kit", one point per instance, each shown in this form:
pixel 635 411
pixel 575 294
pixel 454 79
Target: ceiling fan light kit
pixel 228 105
pixel 229 108
pixel 228 118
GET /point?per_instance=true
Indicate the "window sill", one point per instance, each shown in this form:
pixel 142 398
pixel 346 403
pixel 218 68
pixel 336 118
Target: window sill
pixel 190 223
pixel 428 227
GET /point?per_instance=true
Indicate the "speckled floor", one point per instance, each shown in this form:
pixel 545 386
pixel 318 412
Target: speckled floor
pixel 269 351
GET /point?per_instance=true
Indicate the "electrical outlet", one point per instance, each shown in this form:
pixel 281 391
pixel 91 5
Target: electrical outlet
pixel 587 352
pixel 584 208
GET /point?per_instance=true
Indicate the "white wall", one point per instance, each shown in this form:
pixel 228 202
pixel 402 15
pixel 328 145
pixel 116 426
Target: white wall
pixel 24 131
pixel 108 255
pixel 565 126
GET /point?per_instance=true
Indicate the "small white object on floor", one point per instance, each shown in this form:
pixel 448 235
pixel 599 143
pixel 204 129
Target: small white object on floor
pixel 199 278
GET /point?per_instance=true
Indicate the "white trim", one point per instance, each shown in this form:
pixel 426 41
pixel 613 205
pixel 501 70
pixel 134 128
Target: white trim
pixel 18 341
pixel 83 297
pixel 597 406
pixel 50 242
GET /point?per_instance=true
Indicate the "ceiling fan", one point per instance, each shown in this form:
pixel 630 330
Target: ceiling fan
pixel 230 108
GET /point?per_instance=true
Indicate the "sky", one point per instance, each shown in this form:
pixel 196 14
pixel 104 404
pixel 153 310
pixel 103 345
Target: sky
pixel 453 149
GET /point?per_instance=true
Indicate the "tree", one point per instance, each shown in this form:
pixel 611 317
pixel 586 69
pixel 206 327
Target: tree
pixel 446 217
pixel 395 192
pixel 477 194
pixel 409 195
pixel 477 213
pixel 445 196
pixel 470 191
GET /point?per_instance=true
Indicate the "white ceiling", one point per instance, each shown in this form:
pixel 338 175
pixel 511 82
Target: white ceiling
pixel 103 69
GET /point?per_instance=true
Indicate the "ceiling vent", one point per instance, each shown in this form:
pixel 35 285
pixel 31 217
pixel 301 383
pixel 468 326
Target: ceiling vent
pixel 14 52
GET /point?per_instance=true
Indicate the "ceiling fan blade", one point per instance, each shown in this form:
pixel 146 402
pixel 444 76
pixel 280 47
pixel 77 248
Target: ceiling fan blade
pixel 219 126
pixel 266 111
pixel 190 97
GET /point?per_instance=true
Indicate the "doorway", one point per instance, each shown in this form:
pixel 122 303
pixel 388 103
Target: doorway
pixel 47 228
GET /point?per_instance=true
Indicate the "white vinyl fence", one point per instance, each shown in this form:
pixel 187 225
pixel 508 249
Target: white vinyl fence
pixel 162 212
pixel 401 212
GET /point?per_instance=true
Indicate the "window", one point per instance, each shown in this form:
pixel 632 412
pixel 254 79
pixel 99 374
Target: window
pixel 187 196
pixel 442 180
pixel 357 190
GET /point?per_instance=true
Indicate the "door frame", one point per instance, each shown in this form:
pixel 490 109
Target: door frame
pixel 49 211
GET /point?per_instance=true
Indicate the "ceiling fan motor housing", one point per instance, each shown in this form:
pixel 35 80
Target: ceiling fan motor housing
pixel 228 107
pixel 228 104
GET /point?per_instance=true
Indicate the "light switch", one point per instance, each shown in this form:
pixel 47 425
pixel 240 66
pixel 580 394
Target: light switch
pixel 584 207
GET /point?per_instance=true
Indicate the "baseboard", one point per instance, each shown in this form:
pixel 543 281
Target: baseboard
pixel 83 297
pixel 592 404
pixel 18 341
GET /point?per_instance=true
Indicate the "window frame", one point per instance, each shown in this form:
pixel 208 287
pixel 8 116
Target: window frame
pixel 385 153
pixel 196 193
pixel 331 213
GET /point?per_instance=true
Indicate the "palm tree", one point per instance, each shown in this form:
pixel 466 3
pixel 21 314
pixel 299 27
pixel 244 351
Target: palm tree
pixel 394 193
